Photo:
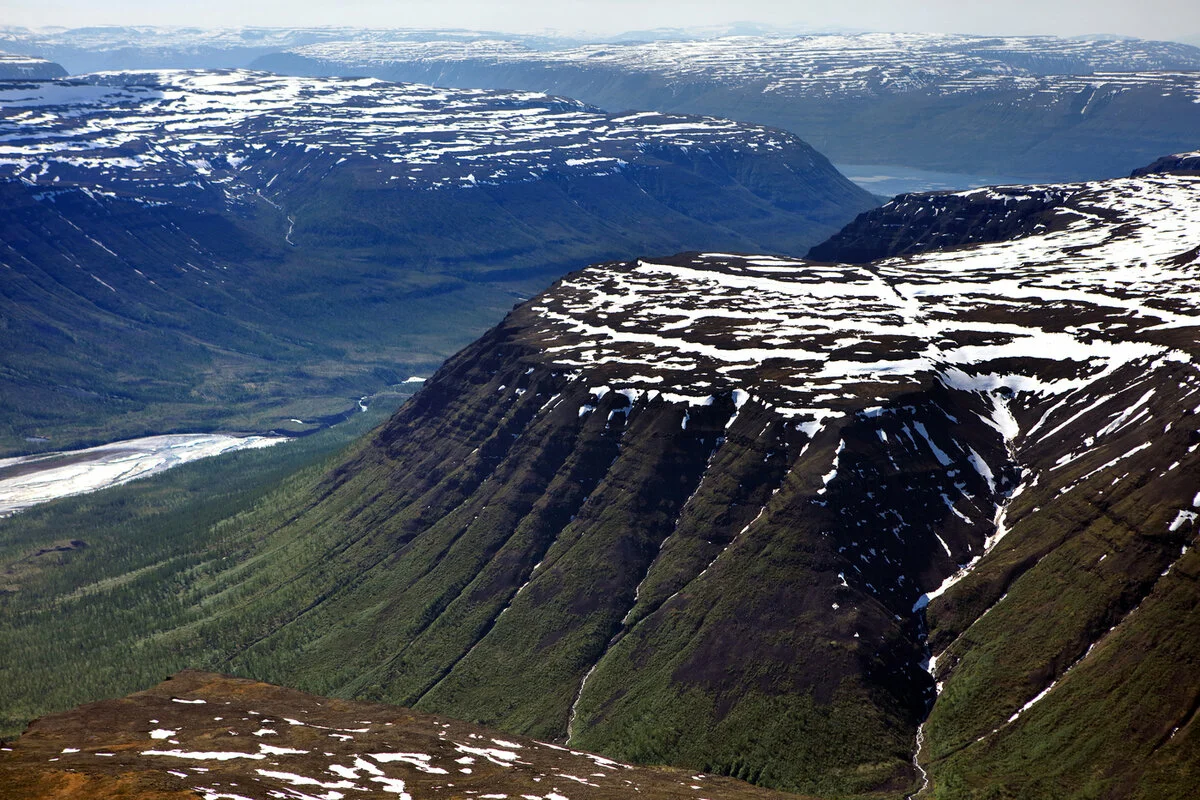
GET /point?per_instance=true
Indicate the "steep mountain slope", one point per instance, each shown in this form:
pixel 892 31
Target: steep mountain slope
pixel 1039 106
pixel 236 249
pixel 17 67
pixel 269 742
pixel 757 516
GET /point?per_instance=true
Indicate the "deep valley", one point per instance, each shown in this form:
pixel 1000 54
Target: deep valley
pixel 777 519
pixel 447 413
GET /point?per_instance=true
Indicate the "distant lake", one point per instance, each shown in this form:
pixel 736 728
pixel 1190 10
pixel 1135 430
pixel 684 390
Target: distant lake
pixel 888 180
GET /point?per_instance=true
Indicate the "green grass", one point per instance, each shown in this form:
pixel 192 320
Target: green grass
pixel 106 620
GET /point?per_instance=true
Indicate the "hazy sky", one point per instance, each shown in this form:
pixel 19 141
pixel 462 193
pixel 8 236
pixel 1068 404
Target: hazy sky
pixel 1147 18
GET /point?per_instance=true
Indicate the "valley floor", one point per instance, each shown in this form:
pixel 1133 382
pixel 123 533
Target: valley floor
pixel 29 480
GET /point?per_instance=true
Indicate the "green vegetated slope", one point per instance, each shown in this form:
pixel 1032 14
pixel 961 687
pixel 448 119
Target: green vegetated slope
pixel 91 586
pixel 479 557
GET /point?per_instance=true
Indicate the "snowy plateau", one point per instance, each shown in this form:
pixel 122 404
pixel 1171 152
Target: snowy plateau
pixel 822 66
pixel 1042 107
pixel 1105 282
pixel 194 128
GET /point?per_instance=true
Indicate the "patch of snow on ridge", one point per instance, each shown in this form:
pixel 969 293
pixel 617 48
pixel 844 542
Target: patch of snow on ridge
pixel 1181 519
pixel 825 329
pixel 204 755
pixel 420 761
pixel 504 758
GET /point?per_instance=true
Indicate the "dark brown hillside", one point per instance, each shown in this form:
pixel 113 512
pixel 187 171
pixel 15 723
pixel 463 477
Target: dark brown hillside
pixel 199 734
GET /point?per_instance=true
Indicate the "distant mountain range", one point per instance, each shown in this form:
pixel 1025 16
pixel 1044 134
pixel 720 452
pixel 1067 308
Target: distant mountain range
pixel 1036 108
pixel 234 249
pixel 117 47
pixel 1044 107
pixel 917 511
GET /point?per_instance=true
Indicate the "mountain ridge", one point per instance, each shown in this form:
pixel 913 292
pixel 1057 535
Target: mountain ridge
pixel 831 527
pixel 18 67
pixel 138 747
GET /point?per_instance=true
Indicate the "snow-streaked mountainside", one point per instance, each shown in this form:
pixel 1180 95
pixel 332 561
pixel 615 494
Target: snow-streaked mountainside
pixel 1054 108
pixel 961 479
pixel 806 66
pixel 155 130
pixel 19 67
pixel 1105 282
pixel 201 212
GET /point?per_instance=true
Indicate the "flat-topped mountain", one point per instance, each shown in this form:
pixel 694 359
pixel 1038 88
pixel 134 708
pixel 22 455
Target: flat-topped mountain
pixel 213 736
pixel 1045 107
pixel 156 132
pixel 236 249
pixel 917 511
pixel 17 67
